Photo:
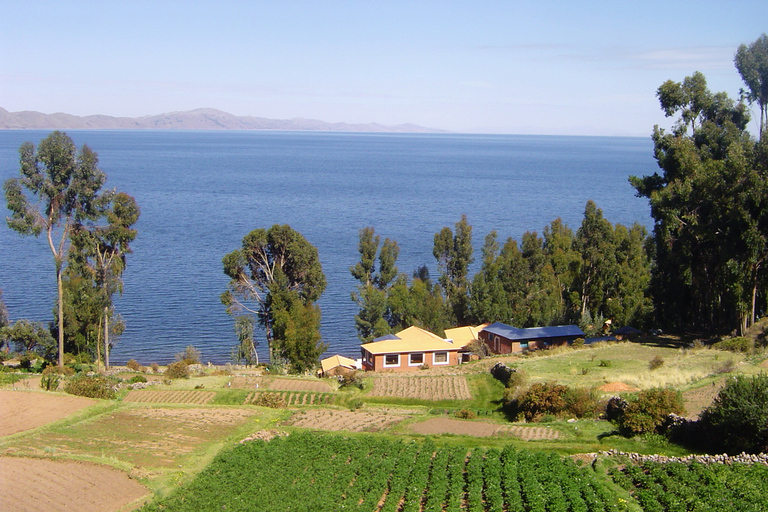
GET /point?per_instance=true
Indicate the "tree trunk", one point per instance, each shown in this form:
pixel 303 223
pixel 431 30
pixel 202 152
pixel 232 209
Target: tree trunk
pixel 106 338
pixel 60 288
pixel 98 348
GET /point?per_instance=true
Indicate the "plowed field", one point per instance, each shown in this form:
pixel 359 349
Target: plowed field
pixel 343 419
pixel 53 486
pixel 25 410
pixel 170 397
pixel 435 426
pixel 447 387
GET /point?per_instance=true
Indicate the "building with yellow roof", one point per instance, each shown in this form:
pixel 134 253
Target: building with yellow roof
pixel 409 349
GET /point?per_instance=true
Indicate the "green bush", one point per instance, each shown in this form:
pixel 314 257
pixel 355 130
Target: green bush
pixel 190 355
pixel 137 378
pixel 740 344
pixel 578 343
pixel 272 400
pixel 656 363
pixel 52 376
pixel 581 402
pixel 737 420
pixel 542 399
pixel 91 387
pixel 177 370
pixel 648 411
pixel 465 414
pixel 350 380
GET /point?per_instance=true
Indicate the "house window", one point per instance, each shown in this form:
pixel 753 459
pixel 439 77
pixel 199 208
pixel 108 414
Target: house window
pixel 392 360
pixel 524 345
pixel 416 359
pixel 440 358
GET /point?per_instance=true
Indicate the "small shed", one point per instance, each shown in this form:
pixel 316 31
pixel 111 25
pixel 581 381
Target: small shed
pixel 505 339
pixel 337 365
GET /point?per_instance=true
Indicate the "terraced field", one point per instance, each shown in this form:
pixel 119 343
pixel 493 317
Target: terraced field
pixel 170 397
pixel 444 387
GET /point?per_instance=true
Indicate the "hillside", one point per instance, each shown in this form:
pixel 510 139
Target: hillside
pixel 199 119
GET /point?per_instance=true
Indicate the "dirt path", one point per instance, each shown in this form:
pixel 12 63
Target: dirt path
pixel 32 485
pixel 25 410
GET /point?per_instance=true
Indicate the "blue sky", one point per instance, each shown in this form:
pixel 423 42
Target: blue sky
pixel 571 68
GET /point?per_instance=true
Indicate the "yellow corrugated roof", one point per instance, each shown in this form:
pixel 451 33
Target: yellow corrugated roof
pixel 337 360
pixel 412 339
pixel 462 335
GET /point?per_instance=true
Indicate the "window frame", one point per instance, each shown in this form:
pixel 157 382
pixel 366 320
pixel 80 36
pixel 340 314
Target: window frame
pixel 386 365
pixel 410 358
pixel 447 358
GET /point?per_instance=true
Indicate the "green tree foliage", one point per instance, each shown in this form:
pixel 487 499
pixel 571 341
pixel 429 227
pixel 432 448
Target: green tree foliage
pixel 58 189
pixel 3 312
pixel 648 410
pixel 454 254
pixel 752 63
pixel 602 271
pixel 371 294
pixel 710 210
pixel 27 336
pixel 418 302
pixel 245 350
pixel 737 420
pixel 276 276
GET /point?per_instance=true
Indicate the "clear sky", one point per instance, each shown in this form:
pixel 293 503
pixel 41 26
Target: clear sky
pixel 542 67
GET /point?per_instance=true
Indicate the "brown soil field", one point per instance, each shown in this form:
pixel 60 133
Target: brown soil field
pixel 343 419
pixel 141 436
pixel 447 387
pixel 434 426
pixel 294 398
pixel 32 485
pixel 170 397
pixel 317 385
pixel 698 399
pixel 25 410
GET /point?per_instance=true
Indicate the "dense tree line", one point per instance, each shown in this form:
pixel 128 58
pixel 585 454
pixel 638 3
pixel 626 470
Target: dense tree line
pixel 710 201
pixel 601 271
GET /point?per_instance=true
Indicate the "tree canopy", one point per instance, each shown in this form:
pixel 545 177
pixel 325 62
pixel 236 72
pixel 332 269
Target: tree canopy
pixel 276 276
pixel 59 188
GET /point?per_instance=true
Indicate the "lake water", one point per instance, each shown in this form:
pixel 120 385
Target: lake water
pixel 200 192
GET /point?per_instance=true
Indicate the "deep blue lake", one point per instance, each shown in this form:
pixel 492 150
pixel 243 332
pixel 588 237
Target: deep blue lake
pixel 200 192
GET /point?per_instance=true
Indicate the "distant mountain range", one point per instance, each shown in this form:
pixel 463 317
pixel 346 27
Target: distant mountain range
pixel 199 119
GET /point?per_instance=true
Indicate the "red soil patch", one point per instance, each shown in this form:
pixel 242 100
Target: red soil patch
pixel 52 486
pixel 24 410
pixel 614 387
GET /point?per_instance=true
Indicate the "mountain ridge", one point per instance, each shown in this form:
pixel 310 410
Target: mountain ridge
pixel 197 119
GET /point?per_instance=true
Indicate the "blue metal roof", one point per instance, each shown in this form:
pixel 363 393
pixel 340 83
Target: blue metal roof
pixel 386 337
pixel 530 333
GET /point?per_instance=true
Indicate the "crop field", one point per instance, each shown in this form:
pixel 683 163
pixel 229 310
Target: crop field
pixel 170 397
pixel 674 486
pixel 447 387
pixel 314 472
pixel 342 419
pixel 296 398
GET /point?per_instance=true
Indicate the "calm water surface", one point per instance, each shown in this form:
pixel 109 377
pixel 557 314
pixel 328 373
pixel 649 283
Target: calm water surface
pixel 201 192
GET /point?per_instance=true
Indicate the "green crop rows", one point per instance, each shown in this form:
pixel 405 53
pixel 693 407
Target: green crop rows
pixel 320 472
pixel 674 486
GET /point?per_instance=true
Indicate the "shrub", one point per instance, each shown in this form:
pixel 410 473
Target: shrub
pixel 465 414
pixel 739 344
pixel 350 380
pixel 604 363
pixel 655 363
pixel 137 378
pixel 133 364
pixel 155 367
pixel 272 400
pixel 578 343
pixel 52 376
pixel 541 399
pixel 649 410
pixel 737 420
pixel 177 370
pixel 615 408
pixel 581 402
pixel 501 372
pixel 91 387
pixel 190 355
